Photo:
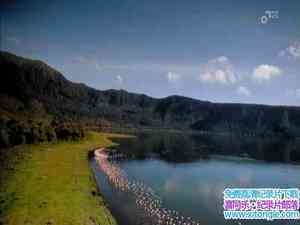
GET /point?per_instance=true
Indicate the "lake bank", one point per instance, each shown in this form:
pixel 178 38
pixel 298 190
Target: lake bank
pixel 53 184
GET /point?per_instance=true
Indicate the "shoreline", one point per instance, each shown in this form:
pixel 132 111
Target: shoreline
pixel 54 184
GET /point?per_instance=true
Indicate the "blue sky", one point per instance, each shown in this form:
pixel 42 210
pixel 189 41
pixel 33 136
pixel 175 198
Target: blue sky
pixel 222 51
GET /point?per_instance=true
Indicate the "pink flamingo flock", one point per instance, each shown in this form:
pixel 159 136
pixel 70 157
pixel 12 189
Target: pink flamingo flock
pixel 145 197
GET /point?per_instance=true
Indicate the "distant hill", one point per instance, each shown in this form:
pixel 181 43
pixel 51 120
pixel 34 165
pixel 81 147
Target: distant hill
pixel 30 89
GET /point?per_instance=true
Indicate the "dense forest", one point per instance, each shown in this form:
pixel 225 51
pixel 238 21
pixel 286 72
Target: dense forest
pixel 37 103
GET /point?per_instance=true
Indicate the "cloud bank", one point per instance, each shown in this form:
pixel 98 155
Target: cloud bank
pixel 292 51
pixel 218 70
pixel 243 91
pixel 173 77
pixel 265 72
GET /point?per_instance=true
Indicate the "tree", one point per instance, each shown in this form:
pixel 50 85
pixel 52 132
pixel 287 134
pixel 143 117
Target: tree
pixel 285 122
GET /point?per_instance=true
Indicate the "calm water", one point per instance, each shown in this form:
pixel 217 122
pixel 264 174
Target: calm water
pixel 189 174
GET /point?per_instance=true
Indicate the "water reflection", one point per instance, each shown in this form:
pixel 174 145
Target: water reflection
pixel 183 148
pixel 208 164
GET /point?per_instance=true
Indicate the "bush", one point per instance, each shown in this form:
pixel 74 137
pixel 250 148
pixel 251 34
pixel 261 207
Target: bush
pixel 69 131
pixel 4 138
pixel 50 133
pixel 13 132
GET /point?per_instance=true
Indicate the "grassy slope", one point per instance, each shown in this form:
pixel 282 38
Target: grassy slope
pixel 53 184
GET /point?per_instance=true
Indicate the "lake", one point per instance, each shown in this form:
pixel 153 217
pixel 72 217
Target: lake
pixel 188 174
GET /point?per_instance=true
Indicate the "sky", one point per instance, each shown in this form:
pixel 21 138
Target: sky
pixel 220 51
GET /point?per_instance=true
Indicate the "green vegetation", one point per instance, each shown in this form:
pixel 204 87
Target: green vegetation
pixel 52 184
pixel 16 132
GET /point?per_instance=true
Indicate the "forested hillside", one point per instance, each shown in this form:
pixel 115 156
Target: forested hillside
pixel 38 103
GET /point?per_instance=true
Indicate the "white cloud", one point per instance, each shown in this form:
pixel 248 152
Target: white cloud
pixel 222 59
pixel 218 70
pixel 119 80
pixel 244 91
pixel 173 77
pixel 265 72
pixel 292 51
